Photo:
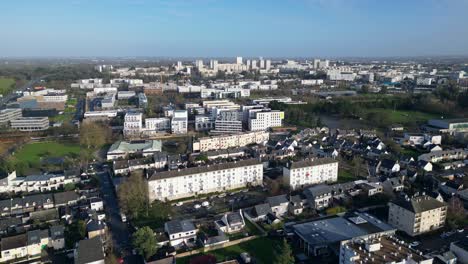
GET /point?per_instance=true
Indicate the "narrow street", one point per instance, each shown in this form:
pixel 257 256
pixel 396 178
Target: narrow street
pixel 118 229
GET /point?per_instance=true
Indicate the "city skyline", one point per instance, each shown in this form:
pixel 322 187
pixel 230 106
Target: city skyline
pixel 305 28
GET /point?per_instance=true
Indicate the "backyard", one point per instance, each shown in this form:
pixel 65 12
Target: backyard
pixel 260 248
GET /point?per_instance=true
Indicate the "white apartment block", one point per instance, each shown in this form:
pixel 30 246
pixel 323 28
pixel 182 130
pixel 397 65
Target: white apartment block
pixel 30 123
pixel 177 184
pixel 6 115
pixel 158 124
pixel 266 119
pixel 179 122
pixel 133 123
pixel 307 172
pixel 417 215
pixel 230 141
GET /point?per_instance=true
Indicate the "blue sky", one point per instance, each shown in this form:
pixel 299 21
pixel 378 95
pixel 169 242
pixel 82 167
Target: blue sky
pixel 215 28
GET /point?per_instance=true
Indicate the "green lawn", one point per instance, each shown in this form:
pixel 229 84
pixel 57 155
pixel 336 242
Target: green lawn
pixel 6 85
pixel 345 176
pixel 32 153
pixel 261 249
pixel 402 117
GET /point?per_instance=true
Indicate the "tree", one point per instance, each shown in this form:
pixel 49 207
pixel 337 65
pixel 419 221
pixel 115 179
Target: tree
pixel 74 233
pixel 284 254
pixel 145 242
pixel 133 196
pixel 94 134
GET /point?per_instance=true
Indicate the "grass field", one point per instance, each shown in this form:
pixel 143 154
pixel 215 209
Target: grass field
pixel 6 85
pixel 32 153
pixel 402 117
pixel 261 249
pixel 345 176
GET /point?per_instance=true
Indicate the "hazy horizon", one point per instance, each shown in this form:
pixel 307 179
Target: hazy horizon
pixel 212 28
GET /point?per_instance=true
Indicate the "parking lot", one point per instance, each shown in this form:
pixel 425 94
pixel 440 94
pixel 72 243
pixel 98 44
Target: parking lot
pixel 437 242
pixel 218 203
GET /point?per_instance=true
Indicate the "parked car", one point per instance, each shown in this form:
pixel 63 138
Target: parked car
pixel 197 206
pixel 205 204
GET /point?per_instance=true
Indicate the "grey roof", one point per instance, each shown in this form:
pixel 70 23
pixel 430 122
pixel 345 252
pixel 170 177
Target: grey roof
pixel 261 209
pixel 387 163
pixel 95 225
pixel 39 199
pixel 335 229
pixel 419 204
pixel 10 222
pixel 318 190
pixel 65 197
pixel 308 163
pixel 202 169
pixel 234 218
pixel 277 200
pixel 35 236
pixel 134 146
pixel 57 232
pixel 89 250
pixel 179 226
pixel 14 242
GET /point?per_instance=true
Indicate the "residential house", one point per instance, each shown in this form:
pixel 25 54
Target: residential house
pixel 319 196
pixel 231 222
pixel 89 251
pixel 278 204
pixel 180 231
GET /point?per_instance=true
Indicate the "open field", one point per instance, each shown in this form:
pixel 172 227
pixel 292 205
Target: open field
pixel 261 249
pixel 400 116
pixel 30 155
pixel 6 85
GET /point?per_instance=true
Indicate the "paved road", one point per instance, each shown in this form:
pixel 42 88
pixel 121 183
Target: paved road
pixel 7 98
pixel 119 230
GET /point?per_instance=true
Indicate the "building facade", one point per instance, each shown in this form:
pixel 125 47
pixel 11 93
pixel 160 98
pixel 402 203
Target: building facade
pixel 176 184
pixel 308 172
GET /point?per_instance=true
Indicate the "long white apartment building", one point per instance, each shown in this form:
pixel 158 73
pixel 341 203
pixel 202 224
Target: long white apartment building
pixel 6 115
pixel 307 172
pixel 177 184
pixel 30 123
pixel 230 141
pixel 133 123
pixel 131 82
pixel 417 215
pixel 158 124
pixel 179 122
pixel 266 119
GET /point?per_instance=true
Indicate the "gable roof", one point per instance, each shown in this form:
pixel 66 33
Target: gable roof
pixel 89 250
pixel 179 226
pixel 14 242
pixel 277 200
pixel 419 204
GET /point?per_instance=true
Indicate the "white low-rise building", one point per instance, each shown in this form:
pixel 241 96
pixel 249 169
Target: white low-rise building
pixel 179 122
pixel 121 149
pixel 181 183
pixel 6 115
pixel 264 120
pixel 307 172
pixel 230 141
pixel 29 124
